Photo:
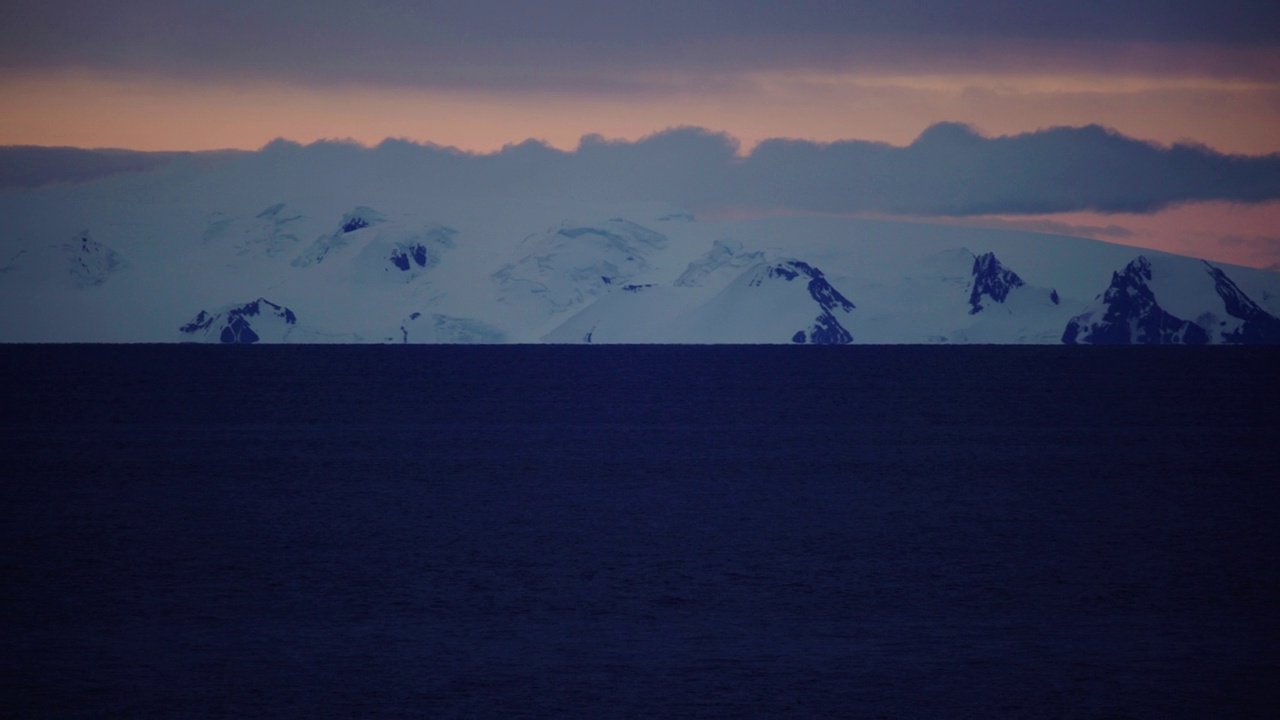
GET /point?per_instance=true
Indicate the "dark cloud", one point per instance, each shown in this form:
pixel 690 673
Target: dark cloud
pixel 581 44
pixel 29 167
pixel 950 170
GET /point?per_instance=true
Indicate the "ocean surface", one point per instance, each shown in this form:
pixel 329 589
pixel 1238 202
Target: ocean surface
pixel 540 531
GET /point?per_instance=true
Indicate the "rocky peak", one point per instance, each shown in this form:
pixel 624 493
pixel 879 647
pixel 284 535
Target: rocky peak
pixel 1127 313
pixel 825 328
pixel 235 324
pixel 992 280
pixel 360 218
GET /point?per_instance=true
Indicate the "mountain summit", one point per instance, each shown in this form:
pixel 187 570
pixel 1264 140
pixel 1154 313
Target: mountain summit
pixel 1172 300
pixel 992 281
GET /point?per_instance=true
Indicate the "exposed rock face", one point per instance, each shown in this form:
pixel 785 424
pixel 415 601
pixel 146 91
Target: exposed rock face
pixel 235 324
pixel 991 280
pixel 1257 326
pixel 826 328
pixel 1135 308
pixel 421 251
pixel 1128 314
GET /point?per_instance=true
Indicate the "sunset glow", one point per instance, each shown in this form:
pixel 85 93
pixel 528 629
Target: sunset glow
pixel 157 114
pixel 481 76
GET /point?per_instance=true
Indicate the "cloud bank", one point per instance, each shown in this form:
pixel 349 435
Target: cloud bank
pixel 26 167
pixel 950 170
pixel 30 166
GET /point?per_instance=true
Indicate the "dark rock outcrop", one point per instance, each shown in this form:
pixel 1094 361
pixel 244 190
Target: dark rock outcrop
pixel 1258 327
pixel 826 328
pixel 1130 315
pixel 991 280
pixel 234 325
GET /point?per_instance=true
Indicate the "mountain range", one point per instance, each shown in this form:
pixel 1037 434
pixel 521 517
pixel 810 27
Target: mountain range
pixel 286 253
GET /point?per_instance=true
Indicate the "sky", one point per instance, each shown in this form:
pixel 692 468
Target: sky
pixel 483 74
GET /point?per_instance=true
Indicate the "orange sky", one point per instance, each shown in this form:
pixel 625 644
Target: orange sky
pixel 153 114
pixel 1231 111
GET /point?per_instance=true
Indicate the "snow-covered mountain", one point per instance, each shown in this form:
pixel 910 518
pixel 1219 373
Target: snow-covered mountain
pixel 257 321
pixel 88 262
pixel 268 233
pixel 992 283
pixel 572 264
pixel 1172 300
pixel 173 255
pixel 784 301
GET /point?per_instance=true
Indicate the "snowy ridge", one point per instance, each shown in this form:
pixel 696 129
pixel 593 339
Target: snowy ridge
pixel 269 233
pixel 571 264
pixel 354 221
pixel 1254 326
pixel 955 296
pixel 826 328
pixel 785 301
pixel 724 257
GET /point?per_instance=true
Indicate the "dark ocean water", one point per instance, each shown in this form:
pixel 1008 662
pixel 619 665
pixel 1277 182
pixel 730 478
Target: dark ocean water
pixel 194 531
